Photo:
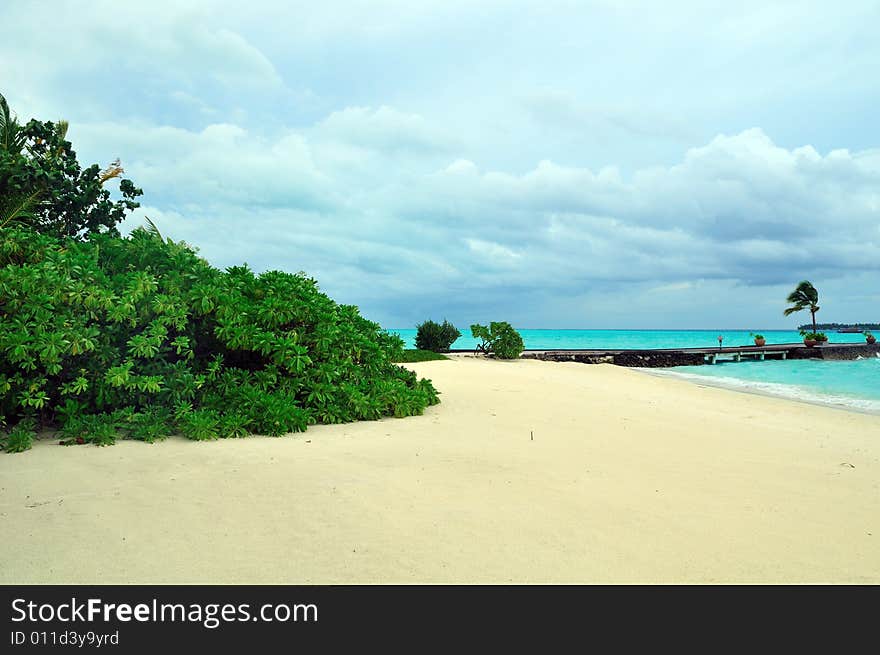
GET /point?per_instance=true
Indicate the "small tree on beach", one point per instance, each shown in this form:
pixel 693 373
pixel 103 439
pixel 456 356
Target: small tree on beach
pixel 499 339
pixel 805 296
pixel 433 336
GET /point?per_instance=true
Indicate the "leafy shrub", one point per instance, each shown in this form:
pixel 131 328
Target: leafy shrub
pixel 20 437
pixel 99 429
pixel 410 356
pixel 139 337
pixel 436 337
pixel 499 339
pixel 199 424
pixel 232 425
pixel 150 425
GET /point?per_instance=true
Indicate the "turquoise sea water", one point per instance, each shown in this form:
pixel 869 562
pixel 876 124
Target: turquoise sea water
pixel 637 339
pixel 848 384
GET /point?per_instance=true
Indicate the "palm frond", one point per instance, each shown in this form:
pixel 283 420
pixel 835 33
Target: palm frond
pixel 10 130
pixel 806 289
pixel 4 111
pixel 152 229
pixel 804 296
pixel 19 208
pixel 62 126
pixel 113 170
pixel 5 122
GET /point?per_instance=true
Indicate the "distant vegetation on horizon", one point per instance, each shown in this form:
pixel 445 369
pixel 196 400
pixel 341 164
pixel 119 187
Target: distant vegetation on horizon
pixel 838 326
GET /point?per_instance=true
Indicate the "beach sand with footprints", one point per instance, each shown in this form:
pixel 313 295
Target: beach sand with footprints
pixel 527 472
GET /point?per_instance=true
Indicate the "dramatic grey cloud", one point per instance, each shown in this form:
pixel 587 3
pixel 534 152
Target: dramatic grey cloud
pixel 556 164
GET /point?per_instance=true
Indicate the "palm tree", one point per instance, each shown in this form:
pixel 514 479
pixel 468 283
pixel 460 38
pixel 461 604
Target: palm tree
pixel 803 297
pixel 12 140
pixel 11 134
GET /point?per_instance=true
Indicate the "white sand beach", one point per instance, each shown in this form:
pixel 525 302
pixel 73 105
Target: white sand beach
pixel 630 478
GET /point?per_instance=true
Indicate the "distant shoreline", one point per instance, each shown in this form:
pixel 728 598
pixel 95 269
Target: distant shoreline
pixel 618 339
pixel 587 329
pixel 853 328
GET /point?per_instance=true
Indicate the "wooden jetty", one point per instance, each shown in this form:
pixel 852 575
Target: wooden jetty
pixel 747 353
pixel 667 357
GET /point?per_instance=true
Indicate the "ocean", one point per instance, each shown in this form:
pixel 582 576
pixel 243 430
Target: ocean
pixel 637 339
pixel 848 384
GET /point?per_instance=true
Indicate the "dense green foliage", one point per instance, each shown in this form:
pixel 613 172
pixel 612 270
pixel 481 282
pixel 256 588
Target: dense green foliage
pixel 107 337
pixel 42 184
pixel 499 339
pixel 409 356
pixel 139 337
pixel 434 336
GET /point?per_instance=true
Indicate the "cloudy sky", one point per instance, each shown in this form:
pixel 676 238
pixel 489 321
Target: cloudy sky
pixel 552 163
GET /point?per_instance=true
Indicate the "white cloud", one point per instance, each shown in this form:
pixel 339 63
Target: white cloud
pixel 493 253
pixel 560 157
pixel 219 167
pixel 740 208
pixel 383 129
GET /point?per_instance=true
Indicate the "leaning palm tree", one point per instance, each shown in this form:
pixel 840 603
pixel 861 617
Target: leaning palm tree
pixel 804 297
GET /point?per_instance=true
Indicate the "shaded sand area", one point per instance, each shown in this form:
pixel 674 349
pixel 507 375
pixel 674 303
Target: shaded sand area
pixel 630 478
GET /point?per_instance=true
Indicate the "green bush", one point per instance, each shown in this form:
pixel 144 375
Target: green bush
pixel 19 437
pixel 436 337
pixel 411 356
pixel 499 339
pixel 138 337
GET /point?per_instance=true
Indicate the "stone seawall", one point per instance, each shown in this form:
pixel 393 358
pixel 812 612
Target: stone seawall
pixel 836 352
pixel 639 358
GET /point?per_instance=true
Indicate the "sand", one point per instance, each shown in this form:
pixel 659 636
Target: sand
pixel 630 478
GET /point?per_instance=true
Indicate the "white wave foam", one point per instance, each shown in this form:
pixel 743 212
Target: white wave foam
pixel 788 391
